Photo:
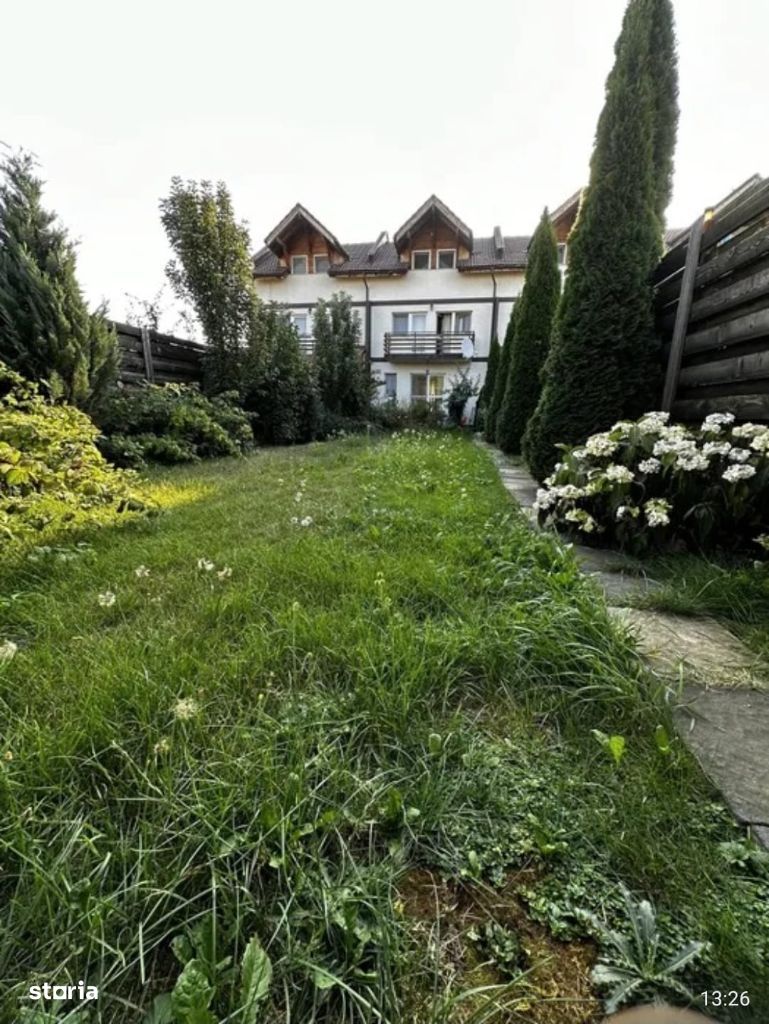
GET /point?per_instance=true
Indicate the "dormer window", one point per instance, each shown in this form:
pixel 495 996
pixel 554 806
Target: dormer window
pixel 447 259
pixel 320 264
pixel 420 259
pixel 298 264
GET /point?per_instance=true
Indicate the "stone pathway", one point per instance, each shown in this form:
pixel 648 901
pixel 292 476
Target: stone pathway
pixel 723 714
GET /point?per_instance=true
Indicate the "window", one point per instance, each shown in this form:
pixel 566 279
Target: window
pixel 447 259
pixel 391 385
pixel 562 254
pixel 321 264
pixel 298 264
pixel 420 259
pixel 462 322
pixel 407 323
pixel 299 320
pixel 426 387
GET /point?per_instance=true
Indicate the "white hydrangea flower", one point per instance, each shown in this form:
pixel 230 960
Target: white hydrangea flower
pixel 735 473
pixel 711 448
pixel 8 650
pixel 601 444
pixel 653 421
pixel 544 500
pixel 568 491
pixel 626 512
pixel 691 461
pixel 739 455
pixel 718 419
pixel 676 445
pixel 619 474
pixel 657 512
pixel 748 430
pixel 650 466
pixel 760 442
pixel 580 454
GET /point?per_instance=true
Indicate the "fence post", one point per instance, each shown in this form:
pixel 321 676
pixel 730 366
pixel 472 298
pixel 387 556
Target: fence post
pixel 681 326
pixel 149 367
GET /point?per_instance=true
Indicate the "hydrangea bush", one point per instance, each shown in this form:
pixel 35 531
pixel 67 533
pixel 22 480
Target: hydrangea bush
pixel 652 485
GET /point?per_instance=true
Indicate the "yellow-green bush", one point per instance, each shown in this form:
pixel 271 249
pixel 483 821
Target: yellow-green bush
pixel 52 476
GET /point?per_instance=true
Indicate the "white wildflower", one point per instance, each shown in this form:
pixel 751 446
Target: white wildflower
pixel 657 512
pixel 306 521
pixel 619 474
pixel 205 564
pixel 141 571
pixel 186 708
pixel 760 442
pixel 763 540
pixel 674 444
pixel 225 573
pixel 735 473
pixel 298 497
pixel 8 650
pixel 106 599
pixel 650 466
pixel 162 746
pixel 711 448
pixel 579 454
pixel 626 512
pixel 294 520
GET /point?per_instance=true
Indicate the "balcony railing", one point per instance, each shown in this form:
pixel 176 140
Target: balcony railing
pixel 306 344
pixel 421 345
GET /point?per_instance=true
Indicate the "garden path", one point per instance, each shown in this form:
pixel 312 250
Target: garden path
pixel 723 711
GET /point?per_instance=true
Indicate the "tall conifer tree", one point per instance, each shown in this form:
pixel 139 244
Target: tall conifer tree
pixel 46 330
pixel 604 359
pixel 537 306
pixel 500 380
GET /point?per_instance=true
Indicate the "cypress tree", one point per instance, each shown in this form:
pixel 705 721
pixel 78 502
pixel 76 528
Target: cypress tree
pixel 664 75
pixel 46 330
pixel 500 380
pixel 603 363
pixel 487 391
pixel 537 306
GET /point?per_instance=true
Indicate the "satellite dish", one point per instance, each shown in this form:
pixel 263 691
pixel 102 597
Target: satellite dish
pixel 468 349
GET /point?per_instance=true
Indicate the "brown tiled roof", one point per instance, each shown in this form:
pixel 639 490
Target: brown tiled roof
pixel 429 205
pixel 485 256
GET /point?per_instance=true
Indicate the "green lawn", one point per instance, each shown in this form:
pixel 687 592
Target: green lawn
pixel 371 746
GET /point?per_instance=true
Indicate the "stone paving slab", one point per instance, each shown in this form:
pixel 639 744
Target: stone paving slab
pixel 727 732
pixel 701 650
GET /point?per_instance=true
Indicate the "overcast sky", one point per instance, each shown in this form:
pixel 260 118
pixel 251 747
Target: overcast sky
pixel 356 109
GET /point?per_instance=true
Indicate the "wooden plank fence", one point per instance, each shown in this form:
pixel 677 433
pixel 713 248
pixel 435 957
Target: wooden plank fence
pixel 712 299
pixel 147 355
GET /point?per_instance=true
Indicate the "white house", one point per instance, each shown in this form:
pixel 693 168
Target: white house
pixel 430 300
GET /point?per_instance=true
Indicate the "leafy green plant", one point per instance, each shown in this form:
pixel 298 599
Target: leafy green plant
pixel 631 963
pixel 500 945
pixel 645 485
pixel 613 745
pixel 172 423
pixel 462 387
pixel 52 476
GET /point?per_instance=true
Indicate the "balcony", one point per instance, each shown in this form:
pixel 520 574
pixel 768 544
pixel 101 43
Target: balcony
pixel 429 346
pixel 306 344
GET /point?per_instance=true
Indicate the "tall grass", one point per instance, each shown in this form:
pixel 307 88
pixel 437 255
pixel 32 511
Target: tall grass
pixel 410 680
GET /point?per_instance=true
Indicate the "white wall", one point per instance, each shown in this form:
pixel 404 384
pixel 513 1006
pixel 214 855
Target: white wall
pixel 428 291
